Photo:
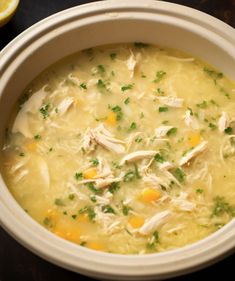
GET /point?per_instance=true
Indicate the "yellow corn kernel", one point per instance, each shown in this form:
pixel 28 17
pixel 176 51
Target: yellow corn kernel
pixel 95 246
pixel 31 146
pixel 83 218
pixel 111 119
pixel 90 173
pixel 136 222
pixel 149 195
pixel 194 139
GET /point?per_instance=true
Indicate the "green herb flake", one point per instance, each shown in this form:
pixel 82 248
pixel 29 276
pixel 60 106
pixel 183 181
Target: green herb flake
pixel 202 105
pixel 212 126
pixel 71 196
pixel 21 154
pixel 101 85
pixel 137 174
pixel 47 222
pixel 114 187
pixel 59 202
pixel 141 115
pixel 83 86
pixel 129 176
pixel 78 176
pixel 228 131
pixel 159 76
pixel 133 126
pixel 118 111
pixel 125 210
pixel 93 189
pixel 44 110
pixel 190 110
pixel 171 132
pixel 107 209
pixel 74 217
pixel 213 74
pixel 127 87
pixel 89 210
pixel 95 162
pixel 113 56
pixel 222 207
pixel 163 109
pixel 179 174
pixel 159 158
pixel 37 137
pixel 127 101
pixel 154 240
pixel 138 140
pixel 93 198
pixel 100 69
pixel 199 190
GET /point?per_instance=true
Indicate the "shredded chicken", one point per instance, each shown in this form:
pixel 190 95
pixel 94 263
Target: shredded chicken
pixel 106 139
pixel 171 101
pixel 223 122
pixel 162 131
pixel 190 120
pixel 193 153
pixel 182 203
pixel 154 222
pixel 65 105
pixel 137 155
pixel 132 63
pixel 32 105
pixel 165 165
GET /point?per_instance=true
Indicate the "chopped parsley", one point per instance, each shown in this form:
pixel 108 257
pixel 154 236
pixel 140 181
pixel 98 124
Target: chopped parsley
pixel 83 86
pixel 21 154
pixel 212 126
pixel 129 176
pixel 202 105
pixel 163 109
pixel 190 110
pixel 138 140
pixel 114 187
pixel 159 76
pixel 133 126
pixel 74 217
pixel 71 196
pixel 113 56
pixel 78 176
pixel 95 162
pixel 92 188
pixel 100 69
pixel 102 86
pixel 93 198
pixel 179 174
pixel 44 110
pixel 153 241
pixel 127 101
pixel 37 137
pixel 125 210
pixel 107 209
pixel 171 132
pixel 47 222
pixel 59 202
pixel 137 174
pixel 213 74
pixel 127 87
pixel 222 207
pixel 199 190
pixel 89 210
pixel 159 158
pixel 228 131
pixel 118 111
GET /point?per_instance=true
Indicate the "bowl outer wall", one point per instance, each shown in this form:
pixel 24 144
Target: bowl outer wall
pixel 36 48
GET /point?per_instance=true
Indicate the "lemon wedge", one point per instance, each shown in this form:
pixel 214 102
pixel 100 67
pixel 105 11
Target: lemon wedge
pixel 7 10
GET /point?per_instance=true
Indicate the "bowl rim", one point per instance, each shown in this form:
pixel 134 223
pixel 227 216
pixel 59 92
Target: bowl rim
pixel 79 259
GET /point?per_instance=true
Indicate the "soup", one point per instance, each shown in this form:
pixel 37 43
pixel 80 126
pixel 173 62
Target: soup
pixel 125 149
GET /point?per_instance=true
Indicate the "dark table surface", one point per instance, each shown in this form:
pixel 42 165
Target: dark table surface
pixel 17 263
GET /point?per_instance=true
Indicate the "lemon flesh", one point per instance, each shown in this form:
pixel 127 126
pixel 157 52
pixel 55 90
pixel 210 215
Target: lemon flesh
pixel 7 10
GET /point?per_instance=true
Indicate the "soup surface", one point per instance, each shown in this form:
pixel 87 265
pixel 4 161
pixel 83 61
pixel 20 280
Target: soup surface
pixel 126 149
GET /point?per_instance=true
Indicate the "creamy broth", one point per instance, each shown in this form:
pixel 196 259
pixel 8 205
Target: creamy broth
pixel 126 149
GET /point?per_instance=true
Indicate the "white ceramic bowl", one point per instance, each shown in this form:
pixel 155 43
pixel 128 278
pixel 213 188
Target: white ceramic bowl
pixel 87 26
